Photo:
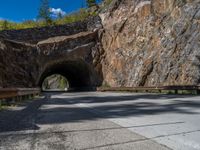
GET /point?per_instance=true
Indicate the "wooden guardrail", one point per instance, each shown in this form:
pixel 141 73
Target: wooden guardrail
pixel 6 93
pixel 176 89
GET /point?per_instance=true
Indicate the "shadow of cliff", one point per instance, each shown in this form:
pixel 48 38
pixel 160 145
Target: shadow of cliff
pixel 62 108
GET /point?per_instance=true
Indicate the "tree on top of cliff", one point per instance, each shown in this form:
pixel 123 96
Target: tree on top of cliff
pixel 5 25
pixel 91 3
pixel 44 12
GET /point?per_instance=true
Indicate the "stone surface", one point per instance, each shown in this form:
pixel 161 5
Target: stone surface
pixel 34 35
pixel 55 82
pixel 26 63
pixel 133 43
pixel 151 43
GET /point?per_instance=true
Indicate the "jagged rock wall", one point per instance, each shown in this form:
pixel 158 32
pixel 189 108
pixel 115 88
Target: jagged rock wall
pixel 34 35
pixel 151 43
pixel 142 43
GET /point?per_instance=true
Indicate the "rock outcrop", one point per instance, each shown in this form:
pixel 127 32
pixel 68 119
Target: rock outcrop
pixel 151 43
pixel 135 43
pixel 55 82
pixel 34 35
pixel 17 62
pixel 27 62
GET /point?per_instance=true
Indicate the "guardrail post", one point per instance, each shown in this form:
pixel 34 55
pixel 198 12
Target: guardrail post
pixel 176 91
pixel 8 101
pixel 12 95
pixel 19 98
pixel 181 92
pixel 13 100
pixel 197 92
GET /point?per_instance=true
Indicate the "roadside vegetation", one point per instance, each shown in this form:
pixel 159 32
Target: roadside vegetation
pixel 55 82
pixel 45 18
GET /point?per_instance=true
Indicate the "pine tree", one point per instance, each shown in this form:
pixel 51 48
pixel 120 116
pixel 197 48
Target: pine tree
pixel 5 25
pixel 91 3
pixel 60 16
pixel 44 12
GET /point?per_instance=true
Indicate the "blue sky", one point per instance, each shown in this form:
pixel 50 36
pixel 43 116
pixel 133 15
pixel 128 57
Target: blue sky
pixel 20 10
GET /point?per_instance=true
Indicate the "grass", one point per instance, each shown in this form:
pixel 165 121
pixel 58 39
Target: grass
pixel 2 107
pixel 8 25
pixel 80 15
pixel 6 104
pixel 105 85
pixel 70 18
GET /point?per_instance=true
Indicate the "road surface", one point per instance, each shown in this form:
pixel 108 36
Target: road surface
pixel 102 121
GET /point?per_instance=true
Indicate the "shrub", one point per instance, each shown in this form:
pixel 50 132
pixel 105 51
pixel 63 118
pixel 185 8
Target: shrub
pixel 80 15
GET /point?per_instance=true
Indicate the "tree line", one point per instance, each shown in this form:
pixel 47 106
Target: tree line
pixel 45 18
pixel 45 14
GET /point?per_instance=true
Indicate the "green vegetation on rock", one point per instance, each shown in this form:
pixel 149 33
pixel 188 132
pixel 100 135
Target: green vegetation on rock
pixel 91 3
pixel 70 18
pixel 55 82
pixel 74 17
pixel 44 17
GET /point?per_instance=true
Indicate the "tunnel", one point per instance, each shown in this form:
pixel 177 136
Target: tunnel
pixel 78 73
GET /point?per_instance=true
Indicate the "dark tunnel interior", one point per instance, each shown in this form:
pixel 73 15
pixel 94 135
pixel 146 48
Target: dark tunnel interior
pixel 78 73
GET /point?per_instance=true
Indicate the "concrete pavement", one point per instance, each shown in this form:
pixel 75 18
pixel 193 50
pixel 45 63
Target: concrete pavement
pixel 94 120
pixel 171 120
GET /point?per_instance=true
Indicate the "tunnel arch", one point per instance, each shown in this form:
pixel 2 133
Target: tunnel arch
pixel 78 73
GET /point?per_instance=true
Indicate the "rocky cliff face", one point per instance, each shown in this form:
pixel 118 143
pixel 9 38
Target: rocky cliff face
pixel 142 43
pixel 55 82
pixel 34 35
pixel 151 43
pixel 26 62
pixel 17 64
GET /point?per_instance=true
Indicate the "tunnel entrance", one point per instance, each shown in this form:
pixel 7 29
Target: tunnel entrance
pixel 78 73
pixel 55 82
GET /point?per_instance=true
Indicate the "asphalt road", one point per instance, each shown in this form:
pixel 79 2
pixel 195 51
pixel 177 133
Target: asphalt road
pixel 105 121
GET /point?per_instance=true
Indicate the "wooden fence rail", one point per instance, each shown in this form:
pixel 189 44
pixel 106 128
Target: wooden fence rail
pixel 6 93
pixel 176 89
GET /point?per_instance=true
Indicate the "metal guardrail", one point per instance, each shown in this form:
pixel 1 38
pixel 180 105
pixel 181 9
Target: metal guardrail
pixel 6 93
pixel 150 89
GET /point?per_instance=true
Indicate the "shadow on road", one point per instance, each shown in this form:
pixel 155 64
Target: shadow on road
pixel 64 109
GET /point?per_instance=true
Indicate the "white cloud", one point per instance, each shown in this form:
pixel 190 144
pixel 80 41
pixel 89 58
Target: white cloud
pixel 3 19
pixel 57 11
